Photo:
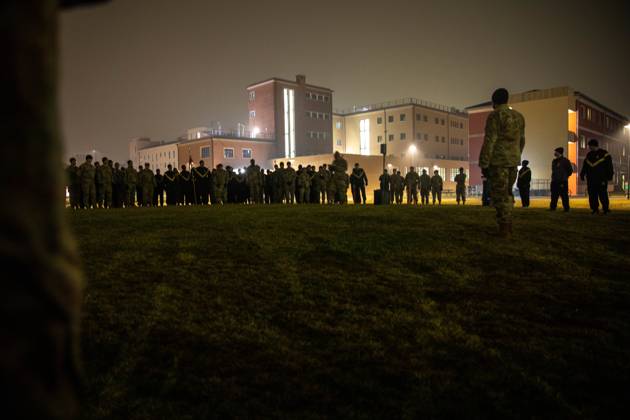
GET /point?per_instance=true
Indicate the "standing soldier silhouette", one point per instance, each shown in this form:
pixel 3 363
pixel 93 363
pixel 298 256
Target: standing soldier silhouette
pixel 500 155
pixel 598 170
pixel 561 170
pixel 460 188
pixel 522 183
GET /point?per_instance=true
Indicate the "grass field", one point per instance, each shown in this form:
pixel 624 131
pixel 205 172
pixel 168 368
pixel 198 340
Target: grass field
pixel 347 312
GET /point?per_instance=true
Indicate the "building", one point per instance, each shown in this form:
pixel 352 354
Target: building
pixel 298 115
pixel 228 150
pixel 158 154
pixel 558 117
pixel 415 133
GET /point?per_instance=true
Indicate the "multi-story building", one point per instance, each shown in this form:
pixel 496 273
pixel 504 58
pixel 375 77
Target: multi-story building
pixel 558 117
pixel 415 133
pixel 158 154
pixel 298 115
pixel 228 150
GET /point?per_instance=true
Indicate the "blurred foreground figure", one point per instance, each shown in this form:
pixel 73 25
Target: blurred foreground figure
pixel 40 289
pixel 500 156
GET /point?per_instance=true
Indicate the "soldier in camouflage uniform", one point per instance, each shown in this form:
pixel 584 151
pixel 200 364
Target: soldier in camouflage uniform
pixel 437 185
pixel 460 188
pixel 303 182
pixel 398 186
pixel 107 179
pixel 500 155
pixel 254 181
pixel 170 185
pixel 147 180
pixel 201 183
pixel 329 185
pixel 289 183
pixel 87 174
pixel 339 167
pixel 131 180
pixel 220 184
pixel 158 191
pixel 98 183
pixel 412 180
pixel 74 183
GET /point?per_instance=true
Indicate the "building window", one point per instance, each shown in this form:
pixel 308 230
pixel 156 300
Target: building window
pixel 403 136
pixel 320 98
pixel 379 120
pixel 252 96
pixel 437 120
pixel 426 137
pixel 437 139
pixel 425 118
pixel 228 152
pixel 461 142
pixel 418 117
pixel 338 125
pixel 391 137
pixel 442 121
pixel 418 136
pixel 308 95
pixel 247 153
pixel 205 152
pixel 289 123
pixel 582 141
pixel 461 125
pixel 403 117
pixel 325 98
pixel 364 127
pixel 390 118
pixel 252 114
pixel 443 140
pixel 379 139
pixel 338 142
pixel 589 114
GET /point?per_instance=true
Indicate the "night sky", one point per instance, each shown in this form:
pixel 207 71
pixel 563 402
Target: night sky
pixel 154 68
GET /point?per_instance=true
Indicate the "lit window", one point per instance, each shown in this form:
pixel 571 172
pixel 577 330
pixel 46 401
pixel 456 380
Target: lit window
pixel 589 114
pixel 582 141
pixel 289 123
pixel 338 142
pixel 205 152
pixel 252 114
pixel 228 153
pixel 247 153
pixel 338 125
pixel 403 117
pixel 364 127
pixel 252 95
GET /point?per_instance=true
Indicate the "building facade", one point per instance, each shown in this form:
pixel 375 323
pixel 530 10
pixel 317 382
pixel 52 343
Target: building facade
pixel 229 151
pixel 558 117
pixel 298 115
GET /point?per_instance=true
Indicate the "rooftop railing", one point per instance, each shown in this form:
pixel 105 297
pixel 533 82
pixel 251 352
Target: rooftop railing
pixel 399 102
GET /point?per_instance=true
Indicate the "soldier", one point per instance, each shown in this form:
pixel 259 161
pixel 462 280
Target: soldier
pixel 185 187
pixel 316 185
pixel 397 187
pixel 201 183
pixel 139 195
pixel 598 170
pixel 411 182
pixel 359 181
pixel 425 187
pixel 254 181
pixel 303 182
pixel 437 184
pixel 328 188
pixel 500 155
pixel 561 170
pixel 232 186
pixel 339 167
pixel 98 182
pixel 485 192
pixel 131 181
pixel 268 187
pixel 158 192
pixel 385 185
pixel 74 183
pixel 522 183
pixel 289 183
pixel 220 184
pixel 107 179
pixel 169 181
pixel 460 188
pixel 146 180
pixel 87 174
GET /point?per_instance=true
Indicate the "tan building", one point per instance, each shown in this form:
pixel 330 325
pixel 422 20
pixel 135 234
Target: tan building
pixel 229 151
pixel 558 117
pixel 158 154
pixel 416 133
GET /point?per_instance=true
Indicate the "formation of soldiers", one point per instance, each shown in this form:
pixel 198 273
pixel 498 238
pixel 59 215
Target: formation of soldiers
pixel 392 186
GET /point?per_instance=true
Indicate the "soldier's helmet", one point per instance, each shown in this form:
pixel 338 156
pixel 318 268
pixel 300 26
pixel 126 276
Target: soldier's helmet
pixel 88 157
pixel 104 160
pixel 201 163
pixel 72 160
pixel 424 171
pixel 146 165
pixel 252 162
pixel 337 154
pixel 461 169
pixel 525 162
pixel 219 166
pixel 436 172
pixel 169 166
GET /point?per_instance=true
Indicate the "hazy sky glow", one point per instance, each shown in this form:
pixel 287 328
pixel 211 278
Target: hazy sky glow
pixel 157 67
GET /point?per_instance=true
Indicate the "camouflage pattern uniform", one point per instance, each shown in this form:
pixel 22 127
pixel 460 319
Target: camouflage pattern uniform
pixel 339 167
pixel 147 180
pixel 500 155
pixel 87 173
pixel 303 186
pixel 107 180
pixel 220 185
pixel 437 184
pixel 289 184
pixel 398 187
pixel 329 185
pixel 411 181
pixel 425 187
pixel 131 180
pixel 254 182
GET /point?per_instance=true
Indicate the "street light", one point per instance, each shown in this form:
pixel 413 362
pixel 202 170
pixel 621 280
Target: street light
pixel 412 150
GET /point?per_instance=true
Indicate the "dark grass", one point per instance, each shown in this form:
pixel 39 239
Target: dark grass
pixel 345 312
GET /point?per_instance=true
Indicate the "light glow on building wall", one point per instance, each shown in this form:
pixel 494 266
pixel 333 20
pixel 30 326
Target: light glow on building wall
pixel 364 130
pixel 289 123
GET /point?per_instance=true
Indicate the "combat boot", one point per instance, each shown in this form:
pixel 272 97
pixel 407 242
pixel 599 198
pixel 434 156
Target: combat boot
pixel 505 230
